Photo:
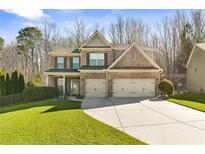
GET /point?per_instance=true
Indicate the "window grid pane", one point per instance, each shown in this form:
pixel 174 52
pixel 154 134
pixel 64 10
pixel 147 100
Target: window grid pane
pixel 60 62
pixel 76 62
pixel 96 59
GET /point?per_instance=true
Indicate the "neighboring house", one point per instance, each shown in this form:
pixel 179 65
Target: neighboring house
pixel 196 69
pixel 98 69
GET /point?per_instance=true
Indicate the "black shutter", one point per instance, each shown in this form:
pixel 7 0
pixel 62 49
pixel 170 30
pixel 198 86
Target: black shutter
pixel 88 58
pixel 65 62
pixel 55 62
pixel 105 59
pixel 71 62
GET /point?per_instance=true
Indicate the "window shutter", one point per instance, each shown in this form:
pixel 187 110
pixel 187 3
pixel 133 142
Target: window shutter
pixel 55 62
pixel 55 82
pixel 105 59
pixel 65 62
pixel 88 59
pixel 71 62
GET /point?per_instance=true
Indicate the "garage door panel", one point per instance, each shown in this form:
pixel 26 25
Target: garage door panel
pixel 133 87
pixel 95 88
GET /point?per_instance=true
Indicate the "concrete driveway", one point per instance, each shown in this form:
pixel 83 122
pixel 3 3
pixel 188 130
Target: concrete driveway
pixel 154 122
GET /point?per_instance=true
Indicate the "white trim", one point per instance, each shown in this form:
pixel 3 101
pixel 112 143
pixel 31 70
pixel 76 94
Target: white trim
pixel 100 36
pixel 93 71
pixel 124 70
pixel 64 84
pixel 63 73
pixel 190 56
pixel 141 51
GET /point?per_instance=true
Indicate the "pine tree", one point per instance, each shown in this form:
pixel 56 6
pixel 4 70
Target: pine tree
pixel 2 85
pixel 12 90
pixel 8 84
pixel 15 82
pixel 21 83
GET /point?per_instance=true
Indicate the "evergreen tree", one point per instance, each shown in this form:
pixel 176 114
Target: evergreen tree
pixel 12 90
pixel 16 82
pixel 186 39
pixel 21 83
pixel 8 84
pixel 2 85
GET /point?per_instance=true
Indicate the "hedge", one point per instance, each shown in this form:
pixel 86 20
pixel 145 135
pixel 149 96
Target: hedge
pixel 39 93
pixel 10 99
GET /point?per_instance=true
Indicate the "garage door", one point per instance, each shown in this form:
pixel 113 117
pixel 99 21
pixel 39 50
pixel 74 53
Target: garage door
pixel 133 87
pixel 95 88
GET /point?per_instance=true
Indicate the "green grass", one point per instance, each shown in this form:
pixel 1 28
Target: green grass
pixel 192 100
pixel 55 122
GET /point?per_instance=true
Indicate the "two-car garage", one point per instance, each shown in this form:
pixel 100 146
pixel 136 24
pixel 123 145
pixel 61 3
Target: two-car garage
pixel 121 87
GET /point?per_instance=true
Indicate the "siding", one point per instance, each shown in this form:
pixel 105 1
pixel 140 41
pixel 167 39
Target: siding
pixel 196 78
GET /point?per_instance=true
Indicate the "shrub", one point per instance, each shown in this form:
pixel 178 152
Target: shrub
pixel 166 87
pixel 39 93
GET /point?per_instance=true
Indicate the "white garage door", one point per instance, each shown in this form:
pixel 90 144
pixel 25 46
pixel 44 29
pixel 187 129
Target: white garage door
pixel 95 88
pixel 133 87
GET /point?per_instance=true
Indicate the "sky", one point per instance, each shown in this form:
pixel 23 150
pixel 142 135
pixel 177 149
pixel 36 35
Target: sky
pixel 11 21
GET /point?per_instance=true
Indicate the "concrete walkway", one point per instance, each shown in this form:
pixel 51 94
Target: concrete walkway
pixel 154 122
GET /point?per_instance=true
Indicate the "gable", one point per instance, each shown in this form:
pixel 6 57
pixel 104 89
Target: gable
pixel 96 41
pixel 132 59
pixel 197 48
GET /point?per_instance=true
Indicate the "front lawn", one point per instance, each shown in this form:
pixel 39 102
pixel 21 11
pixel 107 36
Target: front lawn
pixel 192 100
pixel 55 122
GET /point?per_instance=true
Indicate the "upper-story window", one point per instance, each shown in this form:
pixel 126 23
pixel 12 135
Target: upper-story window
pixel 60 62
pixel 97 59
pixel 76 63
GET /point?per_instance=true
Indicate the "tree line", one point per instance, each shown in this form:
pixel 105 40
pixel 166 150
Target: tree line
pixel 173 38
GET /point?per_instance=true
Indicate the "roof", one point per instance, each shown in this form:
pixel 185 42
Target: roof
pixel 125 46
pixel 64 51
pixel 93 67
pixel 133 68
pixel 62 70
pixel 199 45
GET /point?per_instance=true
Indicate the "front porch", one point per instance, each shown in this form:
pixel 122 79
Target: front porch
pixel 67 83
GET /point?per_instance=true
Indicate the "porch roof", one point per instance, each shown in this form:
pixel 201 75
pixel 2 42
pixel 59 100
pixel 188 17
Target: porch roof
pixel 62 70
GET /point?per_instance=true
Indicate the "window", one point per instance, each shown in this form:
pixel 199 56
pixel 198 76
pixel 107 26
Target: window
pixel 60 85
pixel 96 59
pixel 76 63
pixel 60 62
pixel 195 65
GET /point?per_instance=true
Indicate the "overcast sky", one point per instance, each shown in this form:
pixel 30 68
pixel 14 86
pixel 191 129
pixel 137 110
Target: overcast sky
pixel 11 21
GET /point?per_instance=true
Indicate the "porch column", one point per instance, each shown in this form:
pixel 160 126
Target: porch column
pixel 46 80
pixel 63 84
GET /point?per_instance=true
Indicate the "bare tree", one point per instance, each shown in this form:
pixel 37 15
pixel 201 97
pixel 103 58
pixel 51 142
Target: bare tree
pixel 77 32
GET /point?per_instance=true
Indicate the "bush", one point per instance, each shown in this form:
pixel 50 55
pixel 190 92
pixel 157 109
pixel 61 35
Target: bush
pixel 10 99
pixel 166 87
pixel 39 93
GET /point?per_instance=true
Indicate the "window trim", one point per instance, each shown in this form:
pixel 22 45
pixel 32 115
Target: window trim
pixel 60 63
pixel 96 59
pixel 76 63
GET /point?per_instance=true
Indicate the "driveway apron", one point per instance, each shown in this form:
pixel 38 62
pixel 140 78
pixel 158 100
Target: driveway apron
pixel 154 122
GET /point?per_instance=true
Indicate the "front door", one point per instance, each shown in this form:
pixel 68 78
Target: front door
pixel 75 87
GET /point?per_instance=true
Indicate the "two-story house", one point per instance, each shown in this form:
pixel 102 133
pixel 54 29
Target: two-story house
pixel 98 69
